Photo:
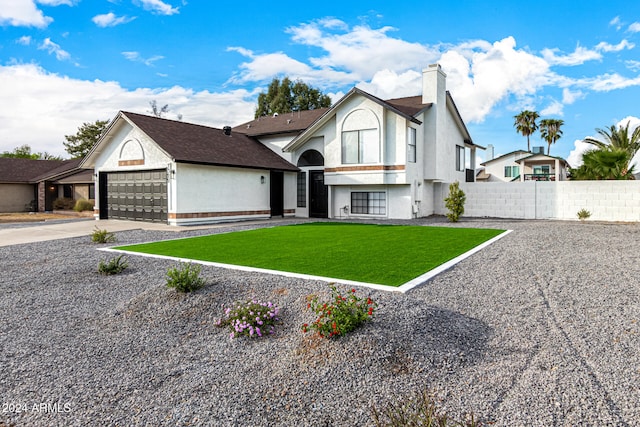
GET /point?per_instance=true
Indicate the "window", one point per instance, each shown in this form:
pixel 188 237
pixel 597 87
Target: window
pixel 92 191
pixel 360 146
pixel 302 189
pixel 539 170
pixel 370 203
pixel 460 158
pixel 511 171
pixel 411 145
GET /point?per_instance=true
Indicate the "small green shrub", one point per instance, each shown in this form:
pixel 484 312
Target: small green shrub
pixel 63 203
pixel 186 278
pixel 340 315
pixel 421 410
pixel 583 214
pixel 113 266
pixel 455 202
pixel 102 236
pixel 83 205
pixel 252 318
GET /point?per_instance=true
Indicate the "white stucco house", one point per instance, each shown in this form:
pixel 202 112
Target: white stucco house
pixel 521 165
pixel 364 157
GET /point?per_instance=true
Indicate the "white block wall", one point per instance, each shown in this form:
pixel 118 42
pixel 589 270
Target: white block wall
pixel 606 200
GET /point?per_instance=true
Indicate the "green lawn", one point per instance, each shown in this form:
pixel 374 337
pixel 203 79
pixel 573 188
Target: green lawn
pixel 382 254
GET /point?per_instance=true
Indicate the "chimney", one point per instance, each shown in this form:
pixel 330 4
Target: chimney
pixel 227 130
pixel 433 84
pixel 489 152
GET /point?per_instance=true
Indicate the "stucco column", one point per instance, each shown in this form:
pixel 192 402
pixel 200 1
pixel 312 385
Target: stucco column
pixel 557 170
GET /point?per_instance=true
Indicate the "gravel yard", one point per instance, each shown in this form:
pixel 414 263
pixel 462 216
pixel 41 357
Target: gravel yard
pixel 539 329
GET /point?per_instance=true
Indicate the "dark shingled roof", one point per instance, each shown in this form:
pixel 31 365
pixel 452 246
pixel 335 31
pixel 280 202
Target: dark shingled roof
pixel 27 171
pixel 294 122
pixel 190 143
pixel 410 105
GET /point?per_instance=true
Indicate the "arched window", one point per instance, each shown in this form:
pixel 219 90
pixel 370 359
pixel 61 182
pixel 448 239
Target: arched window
pixel 360 138
pixel 311 158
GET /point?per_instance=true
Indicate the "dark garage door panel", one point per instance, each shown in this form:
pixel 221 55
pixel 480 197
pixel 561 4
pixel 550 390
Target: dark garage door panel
pixel 137 195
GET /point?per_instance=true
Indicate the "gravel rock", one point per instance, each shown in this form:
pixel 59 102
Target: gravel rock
pixel 540 328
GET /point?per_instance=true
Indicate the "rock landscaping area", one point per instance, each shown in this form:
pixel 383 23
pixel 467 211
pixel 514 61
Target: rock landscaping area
pixel 539 329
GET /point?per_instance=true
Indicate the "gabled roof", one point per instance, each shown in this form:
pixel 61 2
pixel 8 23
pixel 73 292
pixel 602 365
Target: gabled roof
pixel 69 167
pixel 294 122
pixel 198 144
pixel 405 107
pixel 29 171
pixel 513 153
pixel 541 157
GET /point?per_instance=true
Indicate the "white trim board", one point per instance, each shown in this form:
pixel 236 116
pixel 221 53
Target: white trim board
pixel 402 288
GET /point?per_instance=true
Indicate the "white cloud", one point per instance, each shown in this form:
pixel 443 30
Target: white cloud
pixel 555 108
pixel 569 97
pixel 577 57
pixel 615 22
pixel 54 48
pixel 22 13
pixel 24 40
pixel 79 101
pixel 632 65
pixel 606 82
pixel 606 47
pixel 159 7
pixel 135 57
pixel 110 20
pixel 58 2
pixel 634 28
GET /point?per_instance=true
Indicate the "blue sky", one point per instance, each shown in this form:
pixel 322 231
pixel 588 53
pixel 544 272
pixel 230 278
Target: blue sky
pixel 66 62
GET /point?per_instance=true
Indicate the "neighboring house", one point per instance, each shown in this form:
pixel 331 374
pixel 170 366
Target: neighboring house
pixel 522 165
pixel 153 169
pixel 33 185
pixel 362 158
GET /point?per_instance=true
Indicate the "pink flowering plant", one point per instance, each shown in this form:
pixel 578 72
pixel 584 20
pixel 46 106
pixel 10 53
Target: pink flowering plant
pixel 340 315
pixel 252 318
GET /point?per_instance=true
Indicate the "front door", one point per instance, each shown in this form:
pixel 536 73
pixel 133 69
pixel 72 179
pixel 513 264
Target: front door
pixel 277 193
pixel 318 195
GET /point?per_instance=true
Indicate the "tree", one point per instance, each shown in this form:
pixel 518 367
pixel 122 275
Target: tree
pixel 82 142
pixel 455 202
pixel 525 123
pixel 285 96
pixel 550 131
pixel 604 163
pixel 24 152
pixel 618 138
pixel 158 112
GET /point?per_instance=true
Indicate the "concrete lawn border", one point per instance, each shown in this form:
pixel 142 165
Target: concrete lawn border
pixel 402 288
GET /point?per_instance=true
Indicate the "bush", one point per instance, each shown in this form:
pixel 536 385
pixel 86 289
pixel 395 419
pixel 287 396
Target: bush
pixel 83 205
pixel 252 318
pixel 102 236
pixel 185 279
pixel 455 202
pixel 419 411
pixel 340 315
pixel 583 214
pixel 113 266
pixel 63 203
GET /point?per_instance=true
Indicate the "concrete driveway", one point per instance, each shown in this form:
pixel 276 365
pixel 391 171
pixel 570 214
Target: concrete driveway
pixel 19 233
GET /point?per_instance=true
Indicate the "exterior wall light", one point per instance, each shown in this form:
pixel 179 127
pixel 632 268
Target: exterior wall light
pixel 262 179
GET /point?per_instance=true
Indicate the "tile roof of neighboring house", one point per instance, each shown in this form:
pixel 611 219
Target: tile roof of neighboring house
pixel 281 123
pixel 27 171
pixel 191 143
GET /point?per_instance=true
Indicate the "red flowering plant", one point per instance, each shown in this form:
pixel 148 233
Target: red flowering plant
pixel 340 315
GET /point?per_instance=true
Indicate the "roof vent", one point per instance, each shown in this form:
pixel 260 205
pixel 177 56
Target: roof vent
pixel 288 121
pixel 227 130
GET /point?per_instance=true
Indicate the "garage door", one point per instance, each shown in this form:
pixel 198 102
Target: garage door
pixel 138 196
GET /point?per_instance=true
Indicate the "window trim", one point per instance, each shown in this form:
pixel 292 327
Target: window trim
pixel 360 147
pixel 381 208
pixel 412 152
pixel 460 160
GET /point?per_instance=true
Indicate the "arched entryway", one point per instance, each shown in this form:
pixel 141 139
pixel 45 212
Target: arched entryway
pixel 318 193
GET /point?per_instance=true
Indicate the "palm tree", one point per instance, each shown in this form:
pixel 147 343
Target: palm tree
pixel 550 131
pixel 525 123
pixel 604 163
pixel 618 138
